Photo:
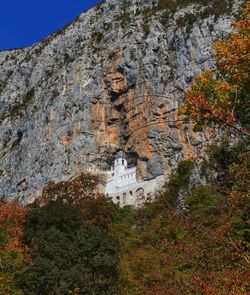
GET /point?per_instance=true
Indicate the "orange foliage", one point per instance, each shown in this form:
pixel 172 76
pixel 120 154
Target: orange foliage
pixel 12 218
pixel 221 96
pixel 13 253
pixel 233 55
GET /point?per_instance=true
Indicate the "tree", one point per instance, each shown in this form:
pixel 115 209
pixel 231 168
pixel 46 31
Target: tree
pixel 72 248
pixel 14 258
pixel 74 190
pixel 223 95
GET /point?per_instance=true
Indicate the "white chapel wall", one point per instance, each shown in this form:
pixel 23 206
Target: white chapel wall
pixel 124 188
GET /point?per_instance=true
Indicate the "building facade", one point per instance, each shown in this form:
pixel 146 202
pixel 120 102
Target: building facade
pixel 124 189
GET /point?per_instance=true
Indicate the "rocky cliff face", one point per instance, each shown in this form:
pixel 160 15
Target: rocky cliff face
pixel 111 80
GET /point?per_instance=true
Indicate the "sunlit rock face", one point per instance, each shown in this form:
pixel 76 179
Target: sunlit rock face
pixel 112 80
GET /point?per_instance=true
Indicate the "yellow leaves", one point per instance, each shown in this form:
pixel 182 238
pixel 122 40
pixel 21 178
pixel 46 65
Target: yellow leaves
pixel 222 86
pixel 233 55
pixel 209 100
pixel 206 77
pixel 215 96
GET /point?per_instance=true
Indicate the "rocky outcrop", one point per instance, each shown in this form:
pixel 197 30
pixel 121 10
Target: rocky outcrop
pixel 112 80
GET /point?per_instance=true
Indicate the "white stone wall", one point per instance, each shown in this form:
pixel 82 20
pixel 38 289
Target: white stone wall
pixel 124 189
pixel 137 193
pixel 120 176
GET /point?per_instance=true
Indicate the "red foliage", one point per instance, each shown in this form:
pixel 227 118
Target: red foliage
pixel 12 218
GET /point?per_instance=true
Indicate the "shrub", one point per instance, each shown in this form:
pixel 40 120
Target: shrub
pixel 177 181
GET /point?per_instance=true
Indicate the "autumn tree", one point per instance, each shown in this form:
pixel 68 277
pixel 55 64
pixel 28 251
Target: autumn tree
pixel 200 251
pixel 74 190
pixel 14 258
pixel 223 95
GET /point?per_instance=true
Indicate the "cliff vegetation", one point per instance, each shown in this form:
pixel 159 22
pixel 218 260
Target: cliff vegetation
pixel 75 241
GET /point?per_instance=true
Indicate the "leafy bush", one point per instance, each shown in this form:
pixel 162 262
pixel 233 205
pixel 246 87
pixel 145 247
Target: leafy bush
pixel 71 250
pixel 178 181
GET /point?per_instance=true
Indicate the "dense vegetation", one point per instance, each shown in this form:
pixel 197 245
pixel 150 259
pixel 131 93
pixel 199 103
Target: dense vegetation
pixel 74 241
pixel 58 246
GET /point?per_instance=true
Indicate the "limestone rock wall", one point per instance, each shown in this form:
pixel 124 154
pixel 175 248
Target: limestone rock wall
pixel 111 80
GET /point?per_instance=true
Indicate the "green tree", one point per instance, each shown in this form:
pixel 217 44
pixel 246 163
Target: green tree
pixel 68 253
pixel 71 246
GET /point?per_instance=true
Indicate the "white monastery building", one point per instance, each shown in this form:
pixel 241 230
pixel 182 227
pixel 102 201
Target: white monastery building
pixel 124 189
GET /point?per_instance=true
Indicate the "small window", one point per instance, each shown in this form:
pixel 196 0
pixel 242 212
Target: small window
pixel 122 162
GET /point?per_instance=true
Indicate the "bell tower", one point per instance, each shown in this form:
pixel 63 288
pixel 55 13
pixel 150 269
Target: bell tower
pixel 121 164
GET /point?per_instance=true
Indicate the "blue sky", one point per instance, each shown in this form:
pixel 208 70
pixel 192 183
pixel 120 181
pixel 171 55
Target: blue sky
pixel 24 22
